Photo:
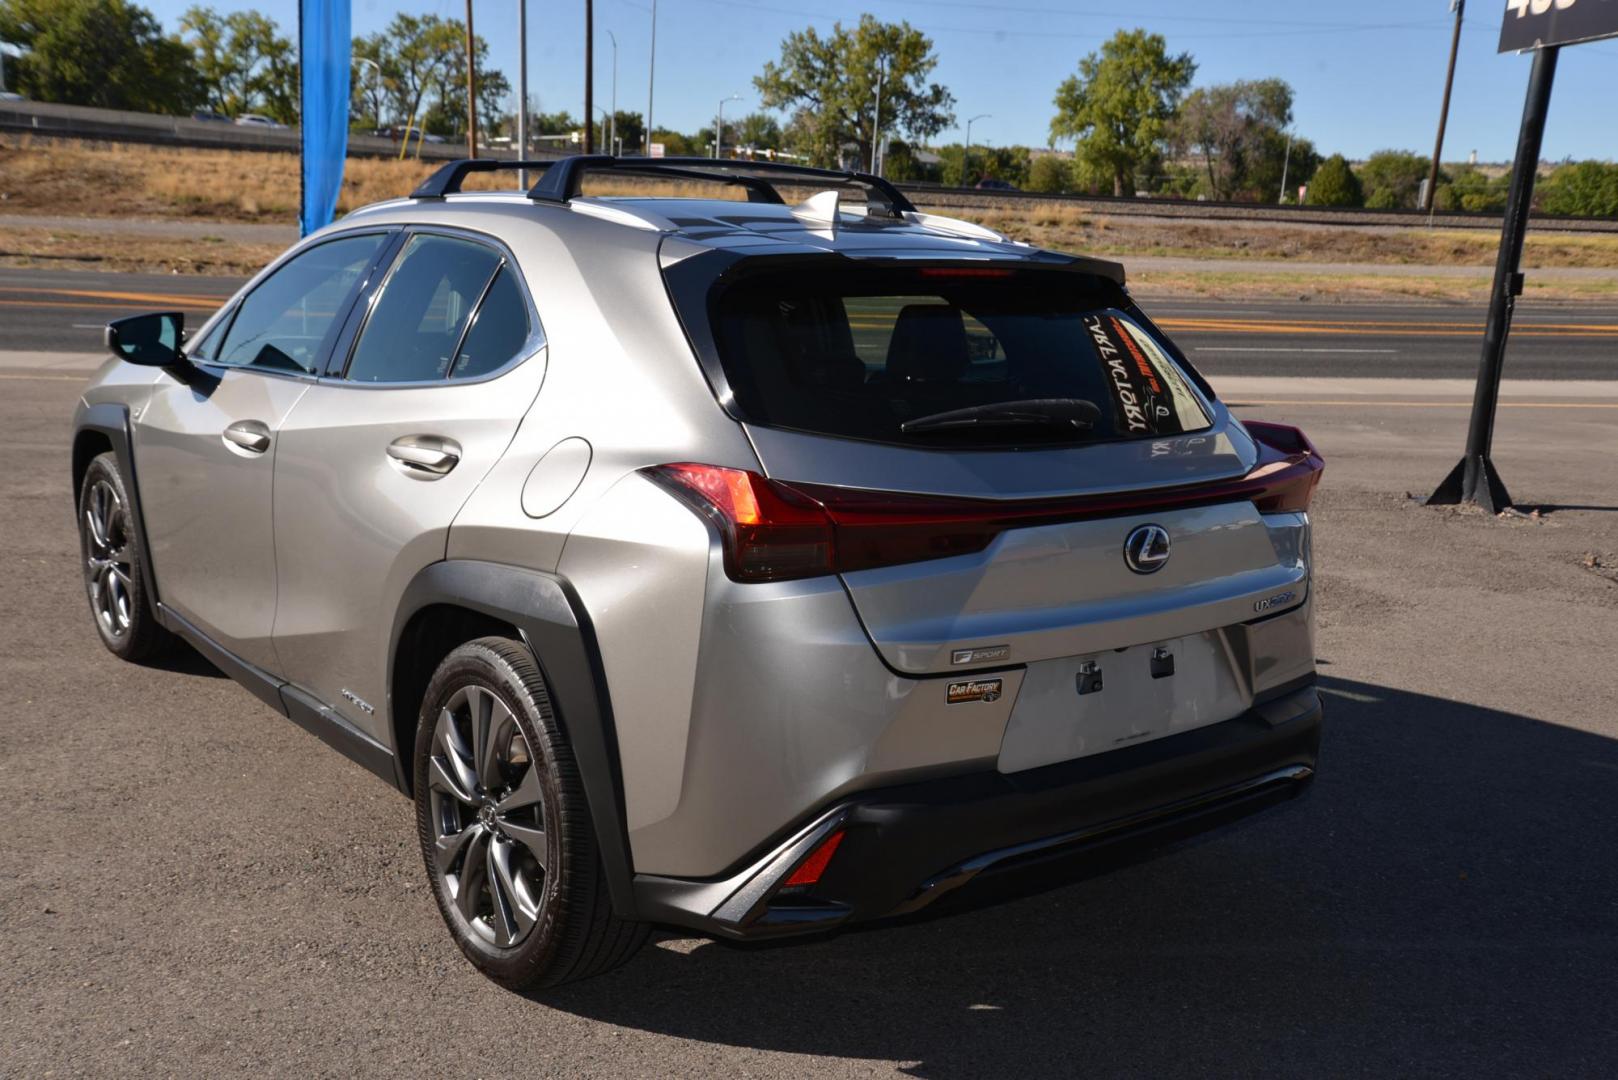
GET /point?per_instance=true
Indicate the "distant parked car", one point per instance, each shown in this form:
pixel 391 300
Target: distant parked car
pixel 7 95
pixel 253 120
pixel 991 184
pixel 210 115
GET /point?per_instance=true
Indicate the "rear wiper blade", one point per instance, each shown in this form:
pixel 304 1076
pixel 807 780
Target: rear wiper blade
pixel 1075 414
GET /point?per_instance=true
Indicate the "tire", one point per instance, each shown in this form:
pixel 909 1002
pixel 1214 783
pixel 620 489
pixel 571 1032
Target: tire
pixel 512 860
pixel 113 561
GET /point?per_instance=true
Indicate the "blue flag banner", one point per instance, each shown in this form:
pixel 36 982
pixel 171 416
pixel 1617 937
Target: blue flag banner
pixel 324 41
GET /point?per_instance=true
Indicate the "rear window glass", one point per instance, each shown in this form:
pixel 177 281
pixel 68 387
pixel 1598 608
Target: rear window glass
pixel 858 354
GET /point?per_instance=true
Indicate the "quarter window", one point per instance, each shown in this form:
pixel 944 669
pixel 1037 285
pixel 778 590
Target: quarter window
pixel 283 324
pixel 498 331
pixel 416 328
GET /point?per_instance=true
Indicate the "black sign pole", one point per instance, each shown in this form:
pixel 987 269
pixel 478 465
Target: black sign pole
pixel 1474 478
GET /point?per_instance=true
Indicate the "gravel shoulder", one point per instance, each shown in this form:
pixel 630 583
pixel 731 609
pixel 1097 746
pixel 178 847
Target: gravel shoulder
pixel 191 885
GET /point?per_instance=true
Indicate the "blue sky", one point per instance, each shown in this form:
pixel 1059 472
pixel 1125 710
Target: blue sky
pixel 1367 74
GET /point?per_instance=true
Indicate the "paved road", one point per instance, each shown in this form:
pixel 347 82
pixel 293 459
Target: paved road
pixel 64 310
pixel 191 885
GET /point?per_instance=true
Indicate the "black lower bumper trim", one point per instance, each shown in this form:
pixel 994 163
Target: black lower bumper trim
pixel 906 847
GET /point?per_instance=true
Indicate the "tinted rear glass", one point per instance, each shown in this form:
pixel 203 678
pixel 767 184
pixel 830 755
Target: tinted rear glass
pixel 856 354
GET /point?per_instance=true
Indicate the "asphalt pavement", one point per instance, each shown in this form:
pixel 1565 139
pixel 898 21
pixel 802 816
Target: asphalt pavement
pixel 191 885
pixel 63 311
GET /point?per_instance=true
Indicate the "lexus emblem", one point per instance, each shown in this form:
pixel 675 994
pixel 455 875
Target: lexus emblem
pixel 1146 548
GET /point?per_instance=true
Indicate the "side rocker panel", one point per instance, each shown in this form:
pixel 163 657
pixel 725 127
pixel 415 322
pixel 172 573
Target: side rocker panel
pixel 552 620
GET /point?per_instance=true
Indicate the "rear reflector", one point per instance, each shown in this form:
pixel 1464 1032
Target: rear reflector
pixel 773 530
pixel 811 869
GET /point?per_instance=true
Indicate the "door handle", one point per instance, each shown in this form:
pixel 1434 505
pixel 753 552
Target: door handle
pixel 251 437
pixel 424 457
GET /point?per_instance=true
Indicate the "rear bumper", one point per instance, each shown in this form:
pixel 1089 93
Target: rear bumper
pixel 905 847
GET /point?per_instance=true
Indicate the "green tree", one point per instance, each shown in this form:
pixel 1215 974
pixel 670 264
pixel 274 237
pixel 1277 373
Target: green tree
pixel 1470 188
pixel 1119 106
pixel 1239 131
pixel 1392 178
pixel 419 57
pixel 829 86
pixel 1584 188
pixel 107 53
pixel 759 130
pixel 1334 184
pixel 245 64
pixel 1050 174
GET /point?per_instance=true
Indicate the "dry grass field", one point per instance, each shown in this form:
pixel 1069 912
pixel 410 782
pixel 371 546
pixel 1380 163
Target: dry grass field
pixel 84 179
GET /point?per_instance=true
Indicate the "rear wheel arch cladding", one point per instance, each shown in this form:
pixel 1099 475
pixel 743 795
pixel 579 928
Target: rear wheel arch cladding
pixel 551 620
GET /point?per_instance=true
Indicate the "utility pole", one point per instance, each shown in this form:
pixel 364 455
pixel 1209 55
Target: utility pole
pixel 589 77
pixel 612 138
pixel 651 79
pixel 719 126
pixel 1459 7
pixel 471 89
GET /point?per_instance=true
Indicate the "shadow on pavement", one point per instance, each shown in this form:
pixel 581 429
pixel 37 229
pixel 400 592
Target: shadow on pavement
pixel 1444 901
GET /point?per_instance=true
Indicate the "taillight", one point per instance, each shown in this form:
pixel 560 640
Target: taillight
pixel 778 531
pixel 1289 467
pixel 770 532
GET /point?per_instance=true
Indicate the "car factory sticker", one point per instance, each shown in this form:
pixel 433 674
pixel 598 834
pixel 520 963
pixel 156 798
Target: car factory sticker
pixel 975 690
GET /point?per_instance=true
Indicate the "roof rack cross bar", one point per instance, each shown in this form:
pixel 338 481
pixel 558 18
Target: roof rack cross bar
pixel 564 179
pixel 448 180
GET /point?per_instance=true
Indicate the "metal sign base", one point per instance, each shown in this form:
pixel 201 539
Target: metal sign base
pixel 1474 479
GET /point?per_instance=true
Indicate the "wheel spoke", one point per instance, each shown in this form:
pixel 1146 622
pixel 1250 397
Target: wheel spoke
pixel 502 892
pixel 527 793
pixel 452 755
pixel 448 848
pixel 474 868
pixel 481 705
pixel 440 778
pixel 530 837
pixel 520 907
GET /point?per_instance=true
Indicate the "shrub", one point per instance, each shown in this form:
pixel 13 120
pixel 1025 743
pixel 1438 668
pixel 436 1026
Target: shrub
pixel 1050 174
pixel 1334 184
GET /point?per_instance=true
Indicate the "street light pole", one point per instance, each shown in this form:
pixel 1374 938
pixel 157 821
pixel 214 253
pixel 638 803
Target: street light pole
pixel 651 79
pixel 876 120
pixel 1459 7
pixel 589 76
pixel 966 154
pixel 522 90
pixel 1286 164
pixel 719 126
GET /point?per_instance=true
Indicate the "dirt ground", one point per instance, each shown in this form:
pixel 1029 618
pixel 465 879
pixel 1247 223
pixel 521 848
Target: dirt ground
pixel 191 885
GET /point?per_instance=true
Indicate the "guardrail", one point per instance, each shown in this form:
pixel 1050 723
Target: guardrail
pixel 83 122
pixel 112 125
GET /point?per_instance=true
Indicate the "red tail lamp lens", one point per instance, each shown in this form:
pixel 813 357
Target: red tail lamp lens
pixel 810 870
pixel 770 532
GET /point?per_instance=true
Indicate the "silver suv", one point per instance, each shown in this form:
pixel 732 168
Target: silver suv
pixel 752 567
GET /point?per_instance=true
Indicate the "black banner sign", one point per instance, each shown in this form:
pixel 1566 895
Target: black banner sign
pixel 1534 24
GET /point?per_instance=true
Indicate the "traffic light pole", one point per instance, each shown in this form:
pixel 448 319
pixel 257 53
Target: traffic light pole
pixel 1474 479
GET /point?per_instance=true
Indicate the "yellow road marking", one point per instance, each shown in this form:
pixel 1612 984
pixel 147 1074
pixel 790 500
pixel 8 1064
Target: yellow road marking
pixel 50 378
pixel 100 307
pixel 150 298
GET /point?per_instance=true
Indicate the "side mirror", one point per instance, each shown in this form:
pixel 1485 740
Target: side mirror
pixel 152 340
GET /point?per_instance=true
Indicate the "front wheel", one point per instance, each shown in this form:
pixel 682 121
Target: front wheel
pixel 505 830
pixel 110 552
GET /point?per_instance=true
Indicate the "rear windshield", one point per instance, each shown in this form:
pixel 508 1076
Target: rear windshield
pixel 857 354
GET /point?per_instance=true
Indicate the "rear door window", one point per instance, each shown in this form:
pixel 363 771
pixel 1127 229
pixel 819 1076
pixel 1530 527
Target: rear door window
pixel 416 326
pixel 857 354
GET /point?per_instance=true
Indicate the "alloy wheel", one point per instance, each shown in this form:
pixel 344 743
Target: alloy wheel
pixel 109 561
pixel 488 814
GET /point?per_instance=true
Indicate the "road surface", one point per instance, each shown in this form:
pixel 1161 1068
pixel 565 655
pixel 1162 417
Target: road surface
pixel 192 885
pixel 63 311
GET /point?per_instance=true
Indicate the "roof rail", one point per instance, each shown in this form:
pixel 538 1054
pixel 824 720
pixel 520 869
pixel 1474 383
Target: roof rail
pixel 562 180
pixel 448 180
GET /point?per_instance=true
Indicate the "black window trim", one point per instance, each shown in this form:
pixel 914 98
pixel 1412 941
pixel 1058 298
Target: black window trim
pixel 225 318
pixel 336 372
